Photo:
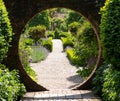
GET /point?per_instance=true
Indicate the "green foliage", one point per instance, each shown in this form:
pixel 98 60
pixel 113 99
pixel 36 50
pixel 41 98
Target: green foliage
pixel 36 33
pixel 64 34
pixel 110 32
pixel 86 44
pixel 38 54
pixel 98 79
pixel 111 85
pixel 73 27
pixel 50 34
pixel 5 31
pixel 25 55
pixel 68 41
pixel 47 43
pixel 74 59
pixel 42 18
pixel 63 26
pixel 73 16
pixel 57 22
pixel 57 32
pixel 10 86
pixel 84 72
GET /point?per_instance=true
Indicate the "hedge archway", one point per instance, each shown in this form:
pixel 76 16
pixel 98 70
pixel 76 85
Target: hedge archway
pixel 21 11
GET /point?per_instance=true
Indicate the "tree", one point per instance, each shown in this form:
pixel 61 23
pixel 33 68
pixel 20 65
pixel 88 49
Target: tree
pixel 42 18
pixel 36 33
pixel 73 16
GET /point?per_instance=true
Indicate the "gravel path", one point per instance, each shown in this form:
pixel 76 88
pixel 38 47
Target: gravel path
pixel 56 72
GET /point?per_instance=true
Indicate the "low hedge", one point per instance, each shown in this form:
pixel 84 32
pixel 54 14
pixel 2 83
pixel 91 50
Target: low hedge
pixel 47 43
pixel 74 59
pixel 67 42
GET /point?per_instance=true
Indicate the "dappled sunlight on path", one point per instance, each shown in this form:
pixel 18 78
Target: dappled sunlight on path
pixel 56 72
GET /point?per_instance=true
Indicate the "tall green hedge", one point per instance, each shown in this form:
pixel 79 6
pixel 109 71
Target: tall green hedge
pixel 110 32
pixel 10 86
pixel 5 31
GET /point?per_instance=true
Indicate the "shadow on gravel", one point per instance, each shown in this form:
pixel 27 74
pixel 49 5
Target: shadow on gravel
pixel 75 79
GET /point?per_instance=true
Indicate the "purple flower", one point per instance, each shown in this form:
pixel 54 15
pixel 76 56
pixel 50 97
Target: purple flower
pixel 30 60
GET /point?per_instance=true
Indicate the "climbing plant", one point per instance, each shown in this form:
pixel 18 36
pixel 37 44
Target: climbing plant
pixel 110 32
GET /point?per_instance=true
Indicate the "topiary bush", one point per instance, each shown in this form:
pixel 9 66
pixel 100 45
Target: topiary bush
pixel 36 33
pixel 110 32
pixel 10 87
pixel 5 31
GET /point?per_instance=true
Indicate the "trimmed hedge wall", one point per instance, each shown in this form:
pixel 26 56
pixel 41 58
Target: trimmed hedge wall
pixel 5 31
pixel 10 87
pixel 110 32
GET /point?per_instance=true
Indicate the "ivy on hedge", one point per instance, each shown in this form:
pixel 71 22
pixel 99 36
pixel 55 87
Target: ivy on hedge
pixel 5 31
pixel 110 32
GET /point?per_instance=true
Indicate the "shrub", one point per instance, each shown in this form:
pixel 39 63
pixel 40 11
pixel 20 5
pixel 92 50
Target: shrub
pixel 67 42
pixel 74 59
pixel 57 32
pixel 98 80
pixel 63 26
pixel 5 31
pixel 85 72
pixel 10 86
pixel 73 27
pixel 36 33
pixel 64 34
pixel 86 44
pixel 50 34
pixel 25 56
pixel 111 85
pixel 47 43
pixel 110 32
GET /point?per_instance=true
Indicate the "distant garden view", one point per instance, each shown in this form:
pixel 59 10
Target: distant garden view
pixel 79 42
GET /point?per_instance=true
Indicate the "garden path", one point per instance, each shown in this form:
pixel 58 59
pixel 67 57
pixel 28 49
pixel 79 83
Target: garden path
pixel 56 72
